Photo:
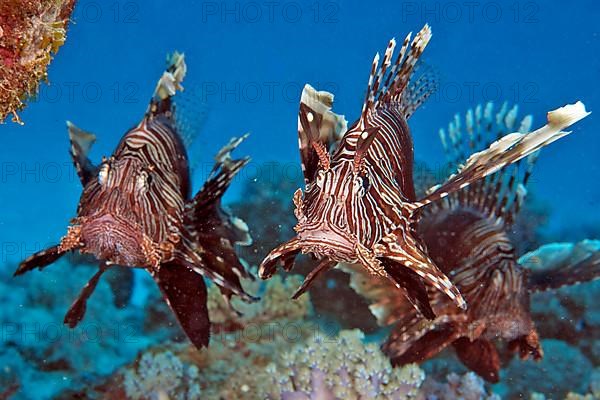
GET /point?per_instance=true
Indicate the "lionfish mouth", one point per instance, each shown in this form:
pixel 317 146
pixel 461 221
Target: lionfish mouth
pixel 327 243
pixel 113 239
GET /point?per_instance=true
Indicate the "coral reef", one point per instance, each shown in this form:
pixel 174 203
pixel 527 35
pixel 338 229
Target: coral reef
pixel 564 368
pixel 318 367
pixel 37 347
pixel 466 387
pixel 31 32
pixel 341 367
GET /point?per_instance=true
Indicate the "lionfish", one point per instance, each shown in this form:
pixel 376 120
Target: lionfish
pixel 136 210
pixel 359 204
pixel 467 236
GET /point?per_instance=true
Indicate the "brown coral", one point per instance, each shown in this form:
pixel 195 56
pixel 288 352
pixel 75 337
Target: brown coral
pixel 30 32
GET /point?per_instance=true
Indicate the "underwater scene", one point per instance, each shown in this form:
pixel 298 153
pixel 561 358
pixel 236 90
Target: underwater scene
pixel 299 199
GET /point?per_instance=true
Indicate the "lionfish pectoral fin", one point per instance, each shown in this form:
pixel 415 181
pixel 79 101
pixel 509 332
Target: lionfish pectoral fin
pixel 284 254
pixel 412 257
pixel 417 343
pixel 218 263
pixel 79 306
pixel 507 150
pixel 40 260
pixel 204 211
pixel 185 292
pixel 412 286
pixel 480 356
pixel 81 143
pixel 562 264
pixel 318 129
pixel 324 266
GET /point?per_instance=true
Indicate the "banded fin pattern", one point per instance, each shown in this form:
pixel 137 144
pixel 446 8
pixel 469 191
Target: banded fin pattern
pixel 388 83
pixel 507 150
pixel 214 231
pixel 81 143
pixel 499 195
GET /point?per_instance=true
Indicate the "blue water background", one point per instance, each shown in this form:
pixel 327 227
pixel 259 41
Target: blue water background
pixel 540 54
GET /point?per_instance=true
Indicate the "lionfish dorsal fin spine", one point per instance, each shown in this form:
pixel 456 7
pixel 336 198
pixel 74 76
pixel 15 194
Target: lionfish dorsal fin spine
pixel 387 83
pixel 318 129
pixel 167 86
pixel 81 144
pixel 488 164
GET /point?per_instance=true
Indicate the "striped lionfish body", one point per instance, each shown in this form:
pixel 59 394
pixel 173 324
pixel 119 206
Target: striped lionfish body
pixel 136 211
pixel 466 235
pixel 359 205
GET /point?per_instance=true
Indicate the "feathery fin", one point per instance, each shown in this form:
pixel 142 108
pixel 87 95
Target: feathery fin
pixel 507 150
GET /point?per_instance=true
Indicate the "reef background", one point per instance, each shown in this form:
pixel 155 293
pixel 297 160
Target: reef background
pixel 247 65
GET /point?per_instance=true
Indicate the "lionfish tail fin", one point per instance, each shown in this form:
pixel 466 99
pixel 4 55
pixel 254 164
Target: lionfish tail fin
pixel 167 86
pixel 507 150
pixel 555 265
pixel 318 128
pixel 499 195
pixel 388 82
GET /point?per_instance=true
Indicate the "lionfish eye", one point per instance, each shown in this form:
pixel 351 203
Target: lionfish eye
pixel 103 173
pixel 366 184
pixel 143 179
pixel 320 177
pixel 362 184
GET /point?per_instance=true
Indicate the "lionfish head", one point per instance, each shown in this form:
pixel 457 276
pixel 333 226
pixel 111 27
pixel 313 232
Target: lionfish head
pixel 120 216
pixel 323 227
